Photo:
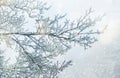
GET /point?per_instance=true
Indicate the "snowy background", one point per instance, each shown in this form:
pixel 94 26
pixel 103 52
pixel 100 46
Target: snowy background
pixel 102 60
